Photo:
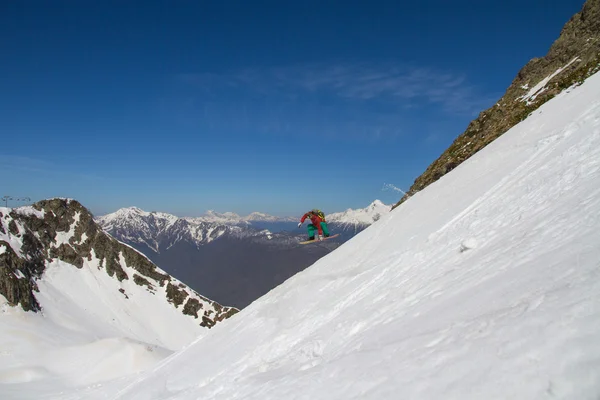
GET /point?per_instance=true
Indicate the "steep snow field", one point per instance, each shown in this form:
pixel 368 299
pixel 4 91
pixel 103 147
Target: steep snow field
pixel 87 333
pixel 486 285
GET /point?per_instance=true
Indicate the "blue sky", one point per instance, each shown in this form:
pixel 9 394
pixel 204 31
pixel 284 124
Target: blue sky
pixel 279 107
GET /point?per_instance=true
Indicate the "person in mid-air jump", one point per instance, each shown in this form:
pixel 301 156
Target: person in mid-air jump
pixel 318 223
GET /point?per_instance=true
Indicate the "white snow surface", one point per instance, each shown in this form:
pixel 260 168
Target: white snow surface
pixel 95 304
pixel 87 332
pixel 29 210
pixel 361 216
pixel 401 312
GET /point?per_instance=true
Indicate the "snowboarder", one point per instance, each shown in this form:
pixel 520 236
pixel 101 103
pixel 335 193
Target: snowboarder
pixel 318 223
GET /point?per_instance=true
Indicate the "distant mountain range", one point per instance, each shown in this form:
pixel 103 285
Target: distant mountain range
pixel 233 218
pixel 228 257
pixel 365 215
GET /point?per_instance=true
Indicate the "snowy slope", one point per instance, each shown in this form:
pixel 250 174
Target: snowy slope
pixel 485 285
pixel 87 331
pixel 106 313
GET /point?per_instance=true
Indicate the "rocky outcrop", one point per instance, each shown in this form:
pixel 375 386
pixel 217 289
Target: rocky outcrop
pixel 573 57
pixel 61 229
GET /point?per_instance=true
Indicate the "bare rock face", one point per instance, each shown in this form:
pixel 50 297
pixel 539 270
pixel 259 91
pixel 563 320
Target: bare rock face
pixel 573 57
pixel 61 229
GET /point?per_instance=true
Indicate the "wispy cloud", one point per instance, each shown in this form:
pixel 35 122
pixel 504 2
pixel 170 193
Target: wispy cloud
pixel 11 163
pixel 403 86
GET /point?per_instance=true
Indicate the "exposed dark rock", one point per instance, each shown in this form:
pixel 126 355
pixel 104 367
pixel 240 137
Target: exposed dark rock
pixel 17 290
pixel 107 250
pixel 191 307
pixel 142 281
pixel 207 322
pixel 579 39
pixel 67 254
pixel 13 228
pixel 143 265
pixel 176 295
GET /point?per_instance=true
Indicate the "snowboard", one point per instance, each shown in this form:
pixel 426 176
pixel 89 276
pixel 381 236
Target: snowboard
pixel 317 240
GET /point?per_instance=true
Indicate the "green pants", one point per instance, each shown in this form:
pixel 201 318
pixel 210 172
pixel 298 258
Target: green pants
pixel 312 229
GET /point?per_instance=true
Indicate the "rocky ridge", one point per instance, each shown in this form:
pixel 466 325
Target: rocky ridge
pixel 573 57
pixel 62 229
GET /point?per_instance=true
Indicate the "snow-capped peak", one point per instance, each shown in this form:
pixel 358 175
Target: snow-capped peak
pixel 258 216
pixel 365 216
pixel 136 218
pixel 220 218
pixel 231 218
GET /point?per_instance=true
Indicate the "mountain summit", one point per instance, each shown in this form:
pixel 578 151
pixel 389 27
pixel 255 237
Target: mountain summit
pixel 361 216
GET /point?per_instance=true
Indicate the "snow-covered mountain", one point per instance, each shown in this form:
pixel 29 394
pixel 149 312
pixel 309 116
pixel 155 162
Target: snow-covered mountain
pixel 495 295
pixel 231 218
pixel 261 217
pixel 67 288
pixel 158 230
pixel 362 216
pixel 214 217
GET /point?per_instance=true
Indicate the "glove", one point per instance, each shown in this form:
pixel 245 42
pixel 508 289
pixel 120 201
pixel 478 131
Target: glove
pixel 299 224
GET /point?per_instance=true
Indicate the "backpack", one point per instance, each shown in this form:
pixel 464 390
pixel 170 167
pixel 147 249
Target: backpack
pixel 319 213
